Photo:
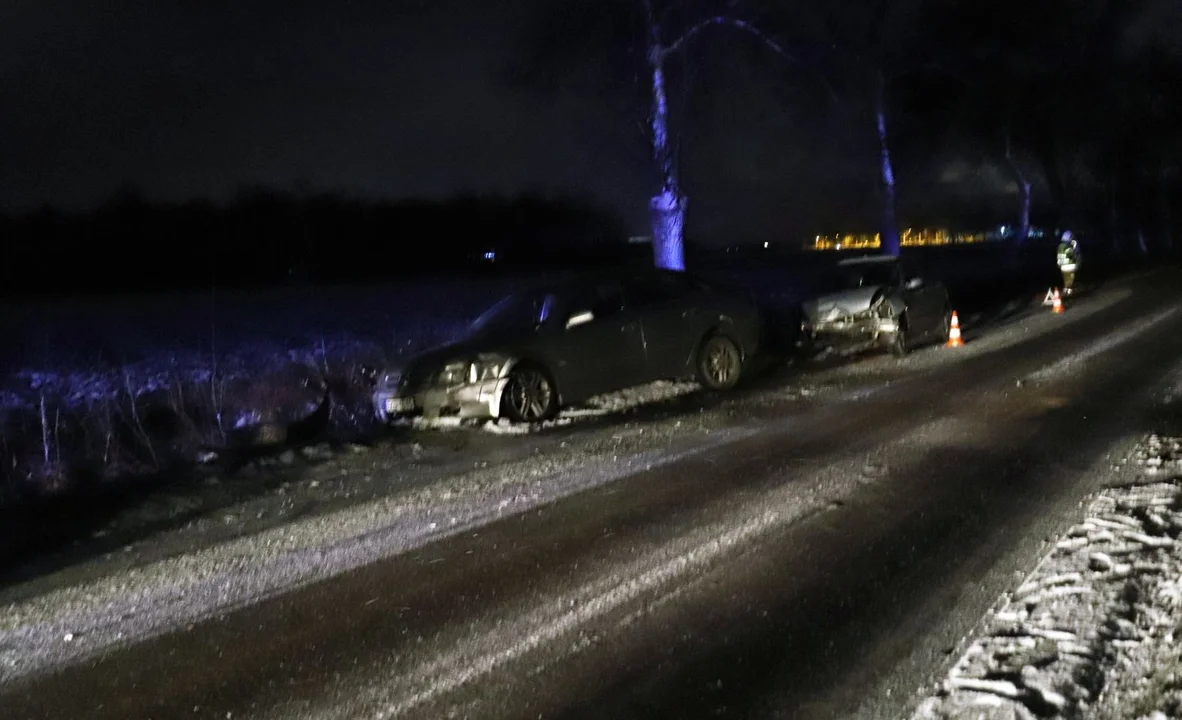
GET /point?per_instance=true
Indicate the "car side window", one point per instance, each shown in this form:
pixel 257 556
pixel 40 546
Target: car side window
pixel 604 300
pixel 546 309
pixel 648 291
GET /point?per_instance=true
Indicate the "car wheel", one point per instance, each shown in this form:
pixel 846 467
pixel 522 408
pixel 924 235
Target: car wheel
pixel 946 328
pixel 900 344
pixel 720 363
pixel 530 395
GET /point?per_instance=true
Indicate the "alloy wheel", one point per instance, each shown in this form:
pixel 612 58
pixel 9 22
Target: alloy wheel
pixel 721 362
pixel 530 395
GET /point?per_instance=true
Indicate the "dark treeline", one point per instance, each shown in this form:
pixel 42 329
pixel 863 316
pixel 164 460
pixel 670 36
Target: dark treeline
pixel 265 238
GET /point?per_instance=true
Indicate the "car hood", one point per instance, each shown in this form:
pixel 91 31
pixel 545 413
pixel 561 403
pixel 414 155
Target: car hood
pixel 840 304
pixel 418 368
pixel 424 362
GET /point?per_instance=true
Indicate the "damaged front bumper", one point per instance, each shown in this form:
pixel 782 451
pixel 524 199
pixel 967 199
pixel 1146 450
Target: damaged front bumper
pixel 866 329
pixel 389 405
pixel 479 400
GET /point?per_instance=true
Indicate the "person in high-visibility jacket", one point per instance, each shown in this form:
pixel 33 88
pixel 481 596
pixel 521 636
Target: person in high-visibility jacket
pixel 1067 257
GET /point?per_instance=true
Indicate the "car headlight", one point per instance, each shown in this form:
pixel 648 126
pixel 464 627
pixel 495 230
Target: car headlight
pixel 468 372
pixel 453 374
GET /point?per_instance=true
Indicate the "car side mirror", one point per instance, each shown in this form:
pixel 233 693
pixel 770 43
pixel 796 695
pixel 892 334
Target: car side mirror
pixel 581 318
pixel 914 283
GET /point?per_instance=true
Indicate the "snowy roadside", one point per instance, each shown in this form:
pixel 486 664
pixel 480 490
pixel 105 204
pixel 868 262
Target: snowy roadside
pixel 1091 631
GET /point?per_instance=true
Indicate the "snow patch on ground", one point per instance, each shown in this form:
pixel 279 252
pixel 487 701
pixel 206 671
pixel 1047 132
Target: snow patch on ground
pixel 633 397
pixel 1091 632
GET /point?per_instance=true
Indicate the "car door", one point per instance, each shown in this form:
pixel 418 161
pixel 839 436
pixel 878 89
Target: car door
pixel 668 318
pixel 599 347
pixel 928 299
pixel 917 298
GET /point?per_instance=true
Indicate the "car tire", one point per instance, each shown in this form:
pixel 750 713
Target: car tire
pixel 719 363
pixel 946 328
pixel 530 395
pixel 901 343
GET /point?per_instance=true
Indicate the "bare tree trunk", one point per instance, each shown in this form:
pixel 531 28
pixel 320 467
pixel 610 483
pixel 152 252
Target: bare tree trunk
pixel 668 205
pixel 667 212
pixel 1024 194
pixel 889 232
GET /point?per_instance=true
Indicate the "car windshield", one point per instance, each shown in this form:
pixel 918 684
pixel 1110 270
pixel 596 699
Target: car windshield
pixel 520 312
pixel 866 275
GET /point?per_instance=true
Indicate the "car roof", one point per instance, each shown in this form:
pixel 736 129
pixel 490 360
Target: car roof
pixel 868 260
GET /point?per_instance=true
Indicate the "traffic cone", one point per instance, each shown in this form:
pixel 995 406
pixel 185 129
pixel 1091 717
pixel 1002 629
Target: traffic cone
pixel 954 339
pixel 1057 307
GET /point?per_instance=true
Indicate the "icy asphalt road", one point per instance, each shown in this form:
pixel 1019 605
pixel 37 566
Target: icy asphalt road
pixel 827 566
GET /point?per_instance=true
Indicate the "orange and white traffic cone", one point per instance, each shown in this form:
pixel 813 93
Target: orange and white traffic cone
pixel 954 339
pixel 1057 303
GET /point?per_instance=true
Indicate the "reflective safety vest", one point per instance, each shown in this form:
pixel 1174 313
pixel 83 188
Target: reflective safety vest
pixel 1067 258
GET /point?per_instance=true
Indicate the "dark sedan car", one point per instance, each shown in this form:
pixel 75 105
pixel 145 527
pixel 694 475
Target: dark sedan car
pixel 540 349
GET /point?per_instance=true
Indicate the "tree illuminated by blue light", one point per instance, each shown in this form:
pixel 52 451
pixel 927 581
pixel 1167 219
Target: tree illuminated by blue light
pixel 668 205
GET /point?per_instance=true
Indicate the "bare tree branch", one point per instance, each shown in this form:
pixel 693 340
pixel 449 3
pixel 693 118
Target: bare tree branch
pixel 724 20
pixel 653 29
pixel 648 10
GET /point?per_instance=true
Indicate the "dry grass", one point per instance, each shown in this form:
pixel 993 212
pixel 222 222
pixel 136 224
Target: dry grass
pixel 53 446
pixel 134 386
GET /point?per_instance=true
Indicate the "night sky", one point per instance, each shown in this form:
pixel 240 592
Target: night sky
pixel 192 98
pixel 391 99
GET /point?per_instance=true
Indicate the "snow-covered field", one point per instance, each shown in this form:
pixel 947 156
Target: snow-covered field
pixel 1091 633
pixel 77 343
